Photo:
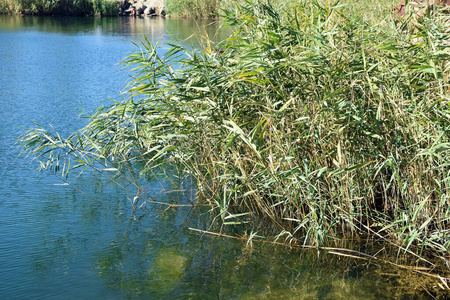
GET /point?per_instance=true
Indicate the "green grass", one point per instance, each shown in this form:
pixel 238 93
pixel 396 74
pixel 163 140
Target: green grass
pixel 322 122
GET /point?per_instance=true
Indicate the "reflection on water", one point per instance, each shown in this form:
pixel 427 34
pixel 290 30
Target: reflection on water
pixel 154 28
pixel 56 243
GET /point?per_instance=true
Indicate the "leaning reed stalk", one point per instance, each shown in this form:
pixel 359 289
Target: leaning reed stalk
pixel 324 123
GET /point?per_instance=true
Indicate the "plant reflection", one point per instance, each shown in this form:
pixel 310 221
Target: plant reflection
pixel 153 28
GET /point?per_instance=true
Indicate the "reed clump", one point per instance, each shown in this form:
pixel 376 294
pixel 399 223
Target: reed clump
pixel 61 7
pixel 311 117
pixel 197 9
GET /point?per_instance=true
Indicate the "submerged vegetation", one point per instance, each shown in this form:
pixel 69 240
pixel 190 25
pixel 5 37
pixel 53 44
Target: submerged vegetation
pixel 320 122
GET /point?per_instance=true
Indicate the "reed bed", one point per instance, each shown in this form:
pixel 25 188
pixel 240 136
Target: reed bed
pixel 198 9
pixel 60 7
pixel 323 123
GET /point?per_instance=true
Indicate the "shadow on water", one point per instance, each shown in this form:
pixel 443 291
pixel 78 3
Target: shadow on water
pixel 154 255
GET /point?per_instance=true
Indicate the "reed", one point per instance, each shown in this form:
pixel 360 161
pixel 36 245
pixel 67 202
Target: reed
pixel 323 122
pixel 197 9
pixel 60 7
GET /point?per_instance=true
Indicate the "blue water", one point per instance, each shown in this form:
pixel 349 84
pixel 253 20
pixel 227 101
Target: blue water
pixel 51 235
pixel 58 243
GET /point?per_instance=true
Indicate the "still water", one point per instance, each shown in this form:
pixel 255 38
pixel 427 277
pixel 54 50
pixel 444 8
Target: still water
pixel 57 243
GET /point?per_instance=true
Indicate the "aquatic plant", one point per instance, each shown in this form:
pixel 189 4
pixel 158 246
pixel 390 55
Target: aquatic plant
pixel 324 124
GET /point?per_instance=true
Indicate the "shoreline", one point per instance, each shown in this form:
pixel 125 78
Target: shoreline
pixel 87 8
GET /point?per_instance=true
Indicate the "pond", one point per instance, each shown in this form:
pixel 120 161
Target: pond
pixel 58 243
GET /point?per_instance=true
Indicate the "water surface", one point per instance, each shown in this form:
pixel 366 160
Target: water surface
pixel 58 243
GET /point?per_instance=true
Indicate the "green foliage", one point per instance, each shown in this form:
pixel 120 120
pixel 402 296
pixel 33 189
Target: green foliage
pixel 199 9
pixel 105 7
pixel 313 118
pixel 60 7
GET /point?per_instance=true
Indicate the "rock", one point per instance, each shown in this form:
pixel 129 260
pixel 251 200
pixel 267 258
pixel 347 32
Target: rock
pixel 141 10
pixel 168 269
pixel 156 7
pixel 149 11
pixel 150 8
